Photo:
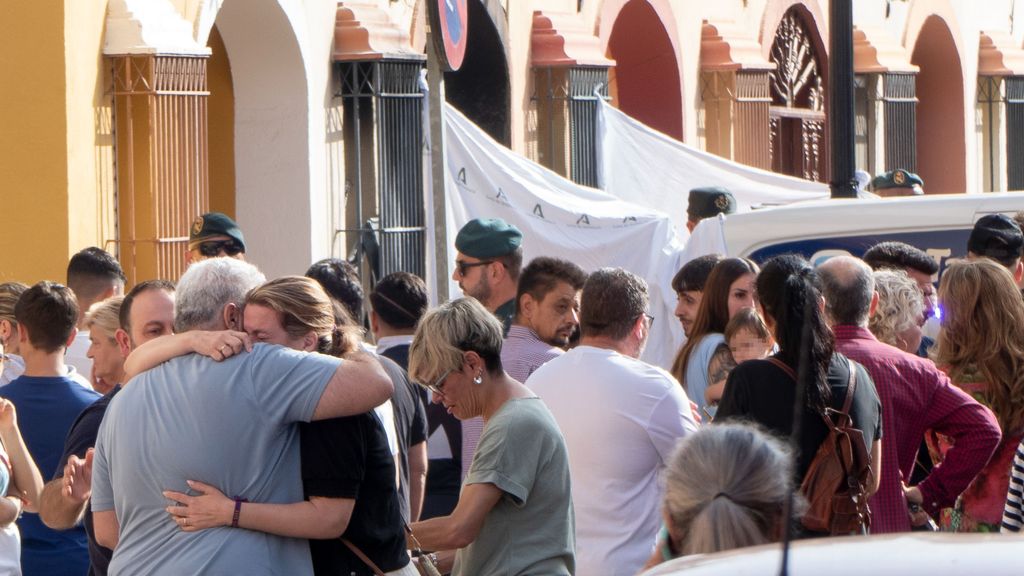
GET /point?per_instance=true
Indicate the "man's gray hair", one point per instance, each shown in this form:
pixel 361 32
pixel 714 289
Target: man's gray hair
pixel 207 287
pixel 848 287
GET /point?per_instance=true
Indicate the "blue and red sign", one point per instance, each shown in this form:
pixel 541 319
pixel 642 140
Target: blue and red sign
pixel 451 19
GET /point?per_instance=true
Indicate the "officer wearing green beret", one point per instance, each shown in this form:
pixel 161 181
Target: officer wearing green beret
pixel 898 182
pixel 490 255
pixel 708 202
pixel 214 234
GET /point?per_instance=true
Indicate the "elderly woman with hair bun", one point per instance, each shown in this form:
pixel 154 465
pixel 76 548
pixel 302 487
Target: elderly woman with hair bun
pixel 514 515
pixel 898 319
pixel 725 488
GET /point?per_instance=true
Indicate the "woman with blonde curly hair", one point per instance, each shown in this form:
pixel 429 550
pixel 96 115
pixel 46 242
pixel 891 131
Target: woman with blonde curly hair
pixel 898 319
pixel 981 346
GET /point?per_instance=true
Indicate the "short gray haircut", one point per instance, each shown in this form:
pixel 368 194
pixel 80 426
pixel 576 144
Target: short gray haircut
pixel 446 332
pixel 848 287
pixel 612 300
pixel 210 285
pixel 900 305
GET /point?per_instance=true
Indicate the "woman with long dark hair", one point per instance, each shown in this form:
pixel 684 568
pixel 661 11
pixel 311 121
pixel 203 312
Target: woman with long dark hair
pixel 764 392
pixel 699 363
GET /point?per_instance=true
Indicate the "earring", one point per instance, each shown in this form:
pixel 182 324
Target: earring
pixel 478 380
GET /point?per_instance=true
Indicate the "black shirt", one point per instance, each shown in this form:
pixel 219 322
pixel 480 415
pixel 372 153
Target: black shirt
pixel 82 436
pixel 410 424
pixel 350 458
pixel 760 391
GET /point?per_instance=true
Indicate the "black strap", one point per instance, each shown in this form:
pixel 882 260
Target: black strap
pixel 851 385
pixel 366 559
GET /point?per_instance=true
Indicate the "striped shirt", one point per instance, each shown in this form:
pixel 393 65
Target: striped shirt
pixel 523 352
pixel 1013 512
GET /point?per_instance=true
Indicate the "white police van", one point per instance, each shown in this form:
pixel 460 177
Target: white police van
pixel 937 224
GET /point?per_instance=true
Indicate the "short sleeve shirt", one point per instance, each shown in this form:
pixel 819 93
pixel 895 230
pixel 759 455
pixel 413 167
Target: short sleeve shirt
pixel 230 424
pixel 760 391
pixel 697 367
pixel 349 458
pixel 531 528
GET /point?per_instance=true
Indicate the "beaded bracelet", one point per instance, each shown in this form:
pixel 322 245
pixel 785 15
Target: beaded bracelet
pixel 238 510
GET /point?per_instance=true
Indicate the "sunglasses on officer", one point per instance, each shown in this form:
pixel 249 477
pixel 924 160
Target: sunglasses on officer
pixel 215 247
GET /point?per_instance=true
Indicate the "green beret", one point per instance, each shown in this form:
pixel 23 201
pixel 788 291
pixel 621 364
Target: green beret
pixel 488 238
pixel 710 201
pixel 898 178
pixel 214 224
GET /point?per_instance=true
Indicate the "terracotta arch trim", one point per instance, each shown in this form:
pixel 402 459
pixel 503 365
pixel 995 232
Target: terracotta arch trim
pixel 724 47
pixel 562 40
pixel 998 55
pixel 877 52
pixel 362 31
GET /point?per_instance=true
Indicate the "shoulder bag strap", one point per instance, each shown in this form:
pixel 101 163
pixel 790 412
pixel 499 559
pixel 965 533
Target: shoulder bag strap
pixel 851 387
pixel 782 366
pixel 366 559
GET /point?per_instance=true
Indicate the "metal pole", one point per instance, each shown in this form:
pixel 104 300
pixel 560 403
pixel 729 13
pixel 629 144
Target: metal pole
pixel 841 104
pixel 435 80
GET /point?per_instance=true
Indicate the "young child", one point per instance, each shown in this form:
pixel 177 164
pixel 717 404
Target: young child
pixel 748 337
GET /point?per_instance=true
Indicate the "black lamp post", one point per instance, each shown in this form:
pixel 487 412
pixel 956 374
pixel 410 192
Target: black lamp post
pixel 841 105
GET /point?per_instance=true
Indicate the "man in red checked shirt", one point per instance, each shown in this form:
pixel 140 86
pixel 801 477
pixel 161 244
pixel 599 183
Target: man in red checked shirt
pixel 916 396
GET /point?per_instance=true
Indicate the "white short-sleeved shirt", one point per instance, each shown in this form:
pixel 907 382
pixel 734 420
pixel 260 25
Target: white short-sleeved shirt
pixel 230 424
pixel 621 419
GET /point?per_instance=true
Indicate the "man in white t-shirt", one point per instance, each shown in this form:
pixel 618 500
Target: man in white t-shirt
pixel 621 419
pixel 93 275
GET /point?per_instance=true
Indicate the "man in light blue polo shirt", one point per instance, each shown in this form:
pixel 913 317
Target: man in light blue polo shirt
pixel 230 423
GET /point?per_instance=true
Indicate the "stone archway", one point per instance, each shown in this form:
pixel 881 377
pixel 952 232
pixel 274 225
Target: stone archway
pixel 645 81
pixel 271 133
pixel 941 138
pixel 481 88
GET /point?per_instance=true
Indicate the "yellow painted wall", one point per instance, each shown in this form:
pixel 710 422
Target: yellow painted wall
pixel 33 149
pixel 90 147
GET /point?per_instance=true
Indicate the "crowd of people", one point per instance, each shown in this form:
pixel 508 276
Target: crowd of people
pixel 230 424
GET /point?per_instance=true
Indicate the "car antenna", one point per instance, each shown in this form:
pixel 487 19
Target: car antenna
pixel 799 401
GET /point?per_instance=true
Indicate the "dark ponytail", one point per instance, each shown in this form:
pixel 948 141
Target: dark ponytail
pixel 790 294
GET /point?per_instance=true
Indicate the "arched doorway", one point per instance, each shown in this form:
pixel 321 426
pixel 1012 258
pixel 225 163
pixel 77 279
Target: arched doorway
pixel 221 127
pixel 271 134
pixel 645 80
pixel 941 141
pixel 798 88
pixel 480 88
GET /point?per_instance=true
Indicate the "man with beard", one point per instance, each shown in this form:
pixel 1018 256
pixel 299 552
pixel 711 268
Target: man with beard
pixel 547 314
pixel 487 265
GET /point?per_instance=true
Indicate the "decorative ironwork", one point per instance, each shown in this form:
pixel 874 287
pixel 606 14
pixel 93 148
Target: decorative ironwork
pixel 383 111
pixel 900 104
pixel 564 106
pixel 990 102
pixel 798 105
pixel 1015 132
pixel 163 182
pixel 796 81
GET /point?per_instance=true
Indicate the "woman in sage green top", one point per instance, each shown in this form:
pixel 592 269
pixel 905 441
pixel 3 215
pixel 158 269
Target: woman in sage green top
pixel 514 514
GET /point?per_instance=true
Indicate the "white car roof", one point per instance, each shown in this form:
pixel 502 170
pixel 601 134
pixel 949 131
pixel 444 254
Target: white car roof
pixel 907 554
pixel 749 231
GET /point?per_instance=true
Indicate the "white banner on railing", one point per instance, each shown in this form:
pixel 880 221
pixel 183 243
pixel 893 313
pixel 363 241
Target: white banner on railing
pixel 562 219
pixel 645 167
